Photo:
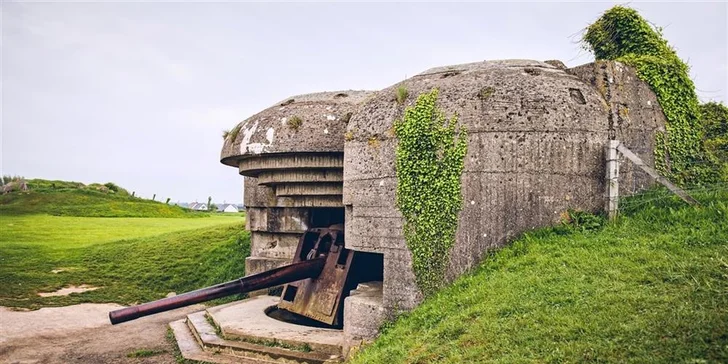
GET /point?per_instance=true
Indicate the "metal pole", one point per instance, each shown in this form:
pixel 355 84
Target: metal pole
pixel 612 179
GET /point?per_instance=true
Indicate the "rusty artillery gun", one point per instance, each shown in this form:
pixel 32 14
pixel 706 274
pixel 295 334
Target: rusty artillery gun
pixel 322 274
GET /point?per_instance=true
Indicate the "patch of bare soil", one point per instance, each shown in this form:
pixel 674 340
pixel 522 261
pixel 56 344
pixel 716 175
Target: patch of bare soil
pixel 65 291
pixel 82 334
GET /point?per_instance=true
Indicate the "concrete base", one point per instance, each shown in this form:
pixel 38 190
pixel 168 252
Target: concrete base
pixel 241 332
pixel 364 313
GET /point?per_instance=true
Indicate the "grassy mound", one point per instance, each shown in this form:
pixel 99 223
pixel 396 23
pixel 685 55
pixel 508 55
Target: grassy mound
pixel 652 287
pixel 62 198
pixel 141 268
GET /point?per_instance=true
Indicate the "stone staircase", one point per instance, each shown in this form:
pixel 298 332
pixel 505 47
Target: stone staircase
pixel 241 332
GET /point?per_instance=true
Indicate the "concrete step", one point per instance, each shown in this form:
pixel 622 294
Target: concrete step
pixel 191 350
pixel 207 337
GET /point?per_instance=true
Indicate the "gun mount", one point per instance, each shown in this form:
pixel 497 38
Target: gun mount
pixel 321 275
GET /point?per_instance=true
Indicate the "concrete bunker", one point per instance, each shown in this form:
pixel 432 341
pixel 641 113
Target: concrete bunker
pixel 291 156
pixel 320 190
pixel 536 139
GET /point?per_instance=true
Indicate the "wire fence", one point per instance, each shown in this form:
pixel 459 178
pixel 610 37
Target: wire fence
pixel 661 197
pixel 626 200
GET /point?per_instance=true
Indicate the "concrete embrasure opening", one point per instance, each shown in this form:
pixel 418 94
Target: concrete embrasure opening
pixel 326 216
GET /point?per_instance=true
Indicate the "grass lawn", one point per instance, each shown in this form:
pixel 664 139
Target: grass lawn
pixel 650 288
pixel 66 232
pixel 131 259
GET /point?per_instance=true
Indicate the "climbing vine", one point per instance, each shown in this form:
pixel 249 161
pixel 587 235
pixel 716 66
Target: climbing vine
pixel 430 159
pixel 715 138
pixel 621 34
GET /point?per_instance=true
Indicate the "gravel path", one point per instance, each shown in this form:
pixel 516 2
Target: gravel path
pixel 82 334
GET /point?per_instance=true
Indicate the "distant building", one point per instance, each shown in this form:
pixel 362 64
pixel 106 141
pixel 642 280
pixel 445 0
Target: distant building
pixel 226 207
pixel 197 206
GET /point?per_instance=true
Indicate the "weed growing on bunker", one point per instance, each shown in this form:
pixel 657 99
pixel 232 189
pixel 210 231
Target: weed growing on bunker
pixel 294 122
pixel 401 95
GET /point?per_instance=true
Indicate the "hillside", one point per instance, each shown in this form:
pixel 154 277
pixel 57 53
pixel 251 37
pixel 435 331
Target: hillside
pixel 130 260
pixel 652 287
pixel 61 198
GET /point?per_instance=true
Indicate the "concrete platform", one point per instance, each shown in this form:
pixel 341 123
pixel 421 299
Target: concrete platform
pixel 246 320
pixel 241 332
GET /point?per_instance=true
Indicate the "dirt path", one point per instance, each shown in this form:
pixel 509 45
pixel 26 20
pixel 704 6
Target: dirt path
pixel 82 334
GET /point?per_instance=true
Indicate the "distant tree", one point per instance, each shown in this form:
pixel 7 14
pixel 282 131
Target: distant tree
pixel 212 207
pixel 154 196
pixel 17 184
pixel 7 179
pixel 209 203
pixel 167 202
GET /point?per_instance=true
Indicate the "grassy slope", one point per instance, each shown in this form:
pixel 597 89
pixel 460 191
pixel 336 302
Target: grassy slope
pixel 130 270
pixel 96 241
pixel 83 202
pixel 651 288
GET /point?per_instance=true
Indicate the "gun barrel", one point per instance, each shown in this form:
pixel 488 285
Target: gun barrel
pixel 285 274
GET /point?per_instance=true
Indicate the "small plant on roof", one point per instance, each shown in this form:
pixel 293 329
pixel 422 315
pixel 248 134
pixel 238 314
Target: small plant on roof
pixel 485 93
pixel 233 133
pixel 401 94
pixel 294 122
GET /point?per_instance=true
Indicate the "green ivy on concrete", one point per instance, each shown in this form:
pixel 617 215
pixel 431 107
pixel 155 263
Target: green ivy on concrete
pixel 430 160
pixel 621 34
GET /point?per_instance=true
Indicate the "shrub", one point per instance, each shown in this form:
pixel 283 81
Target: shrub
pixel 621 34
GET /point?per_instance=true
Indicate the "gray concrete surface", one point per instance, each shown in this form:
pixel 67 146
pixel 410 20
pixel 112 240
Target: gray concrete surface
pixel 635 116
pixel 323 117
pixel 364 313
pixel 246 319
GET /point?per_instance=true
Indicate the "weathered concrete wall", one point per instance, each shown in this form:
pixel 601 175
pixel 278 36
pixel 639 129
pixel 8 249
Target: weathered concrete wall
pixel 363 315
pixel 323 118
pixel 291 155
pixel 635 116
pixel 535 149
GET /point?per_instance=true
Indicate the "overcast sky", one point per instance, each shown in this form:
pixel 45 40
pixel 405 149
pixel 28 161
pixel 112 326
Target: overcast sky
pixel 139 93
